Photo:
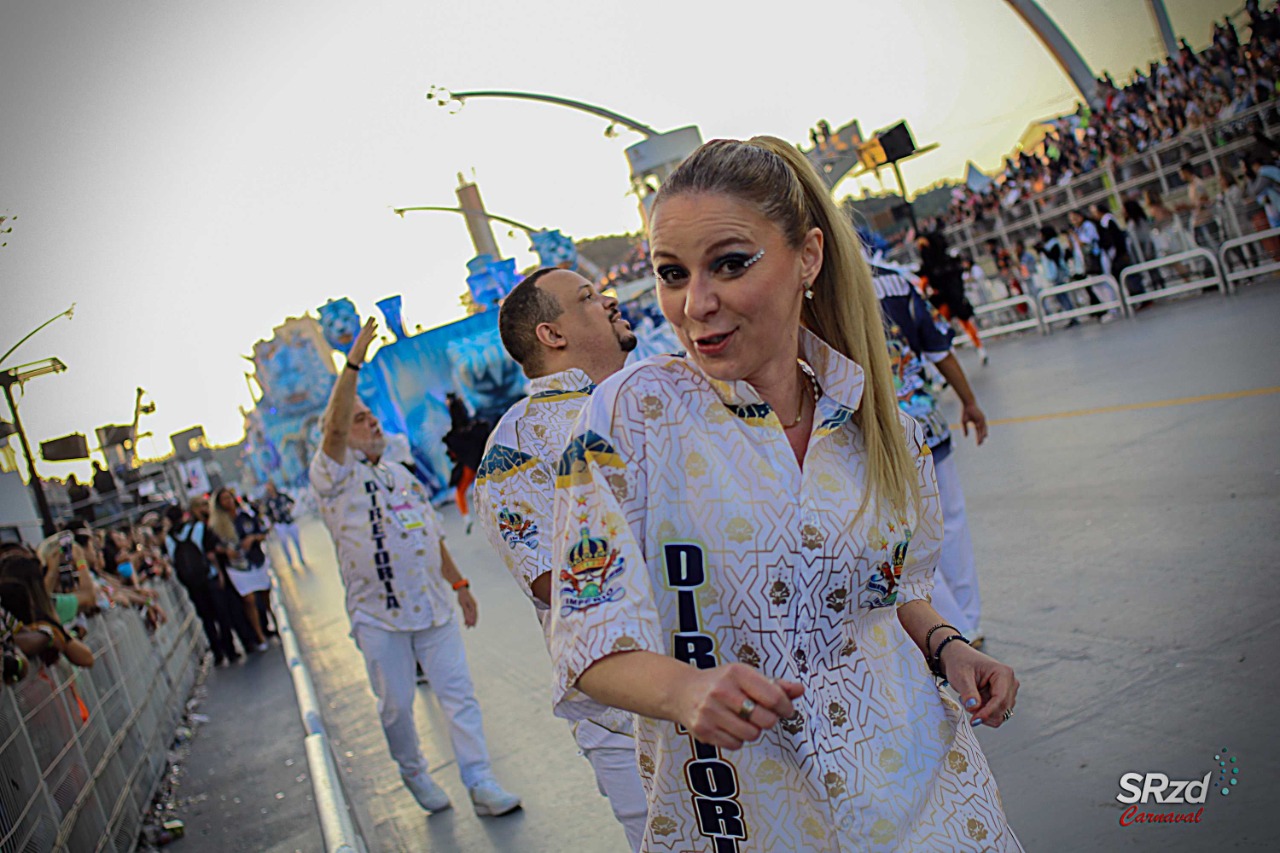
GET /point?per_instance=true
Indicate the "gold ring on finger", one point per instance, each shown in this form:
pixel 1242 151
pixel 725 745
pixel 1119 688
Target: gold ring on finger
pixel 748 705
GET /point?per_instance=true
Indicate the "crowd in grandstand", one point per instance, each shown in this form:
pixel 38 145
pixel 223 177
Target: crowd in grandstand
pixel 635 265
pixel 1185 92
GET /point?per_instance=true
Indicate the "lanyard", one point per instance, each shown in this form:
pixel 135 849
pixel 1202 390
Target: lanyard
pixel 403 514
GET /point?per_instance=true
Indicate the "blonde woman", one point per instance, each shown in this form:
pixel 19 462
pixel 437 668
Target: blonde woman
pixel 745 541
pixel 243 534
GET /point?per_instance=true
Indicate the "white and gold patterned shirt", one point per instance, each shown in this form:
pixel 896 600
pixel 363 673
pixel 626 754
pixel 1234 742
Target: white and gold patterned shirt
pixel 514 493
pixel 685 527
pixel 387 536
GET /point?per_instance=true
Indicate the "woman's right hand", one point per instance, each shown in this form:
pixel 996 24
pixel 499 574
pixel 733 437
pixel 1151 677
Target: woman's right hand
pixel 711 701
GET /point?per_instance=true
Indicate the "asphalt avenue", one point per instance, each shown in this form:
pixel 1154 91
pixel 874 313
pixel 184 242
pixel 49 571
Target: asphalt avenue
pixel 1126 517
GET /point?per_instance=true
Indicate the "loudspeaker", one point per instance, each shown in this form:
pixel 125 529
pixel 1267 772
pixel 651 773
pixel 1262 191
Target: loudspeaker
pixel 896 142
pixel 113 434
pixel 64 449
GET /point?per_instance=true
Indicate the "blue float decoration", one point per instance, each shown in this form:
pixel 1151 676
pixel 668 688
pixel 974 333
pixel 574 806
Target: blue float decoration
pixel 404 382
pixel 390 308
pixel 340 322
pixel 554 249
pixel 490 280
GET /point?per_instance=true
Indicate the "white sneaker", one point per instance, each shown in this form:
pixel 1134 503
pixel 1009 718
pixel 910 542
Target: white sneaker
pixel 489 799
pixel 425 790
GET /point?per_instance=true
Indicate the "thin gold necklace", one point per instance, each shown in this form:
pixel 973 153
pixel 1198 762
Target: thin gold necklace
pixel 813 386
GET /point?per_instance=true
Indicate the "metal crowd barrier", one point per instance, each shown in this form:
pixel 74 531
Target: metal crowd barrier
pixel 82 751
pixel 1035 321
pixel 1104 305
pixel 1215 280
pixel 1250 269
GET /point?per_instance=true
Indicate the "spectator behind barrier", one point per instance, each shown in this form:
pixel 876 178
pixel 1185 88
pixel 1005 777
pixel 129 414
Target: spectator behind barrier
pixel 23 594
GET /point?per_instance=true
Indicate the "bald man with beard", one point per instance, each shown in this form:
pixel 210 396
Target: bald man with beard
pixel 568 337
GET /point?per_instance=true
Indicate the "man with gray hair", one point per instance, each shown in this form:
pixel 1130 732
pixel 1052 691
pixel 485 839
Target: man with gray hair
pixel 567 337
pixel 399 578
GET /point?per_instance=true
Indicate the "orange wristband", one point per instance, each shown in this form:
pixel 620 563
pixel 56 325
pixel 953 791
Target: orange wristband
pixel 462 584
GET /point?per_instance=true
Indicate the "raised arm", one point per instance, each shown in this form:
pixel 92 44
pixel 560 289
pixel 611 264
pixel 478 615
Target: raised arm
pixel 342 402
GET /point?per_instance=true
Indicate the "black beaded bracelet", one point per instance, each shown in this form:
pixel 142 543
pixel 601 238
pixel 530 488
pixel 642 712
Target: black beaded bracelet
pixel 937 656
pixel 353 367
pixel 929 636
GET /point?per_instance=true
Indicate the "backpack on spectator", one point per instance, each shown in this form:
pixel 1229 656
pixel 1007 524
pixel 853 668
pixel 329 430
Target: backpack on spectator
pixel 189 561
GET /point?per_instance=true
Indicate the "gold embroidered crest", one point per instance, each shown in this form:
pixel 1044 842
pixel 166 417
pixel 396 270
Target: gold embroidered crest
pixel 618 484
pixel 662 825
pixel 812 537
pixel 695 464
pixel 748 655
pixel 739 529
pixel 651 407
pixel 793 724
pixel 837 599
pixel 769 772
pixel 835 784
pixel 891 760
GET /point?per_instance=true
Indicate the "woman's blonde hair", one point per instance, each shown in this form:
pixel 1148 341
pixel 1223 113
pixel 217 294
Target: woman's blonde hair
pixel 779 181
pixel 222 522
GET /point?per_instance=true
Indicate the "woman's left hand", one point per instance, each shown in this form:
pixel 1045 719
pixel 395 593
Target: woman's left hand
pixel 470 610
pixel 987 687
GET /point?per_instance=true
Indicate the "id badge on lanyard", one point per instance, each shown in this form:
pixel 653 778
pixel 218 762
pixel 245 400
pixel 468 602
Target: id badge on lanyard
pixel 404 514
pixel 407 516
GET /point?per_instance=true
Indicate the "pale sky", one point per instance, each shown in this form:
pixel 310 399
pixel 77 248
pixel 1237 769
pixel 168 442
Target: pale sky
pixel 190 173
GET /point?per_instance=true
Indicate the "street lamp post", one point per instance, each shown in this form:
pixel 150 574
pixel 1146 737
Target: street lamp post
pixel 650 160
pixel 16 376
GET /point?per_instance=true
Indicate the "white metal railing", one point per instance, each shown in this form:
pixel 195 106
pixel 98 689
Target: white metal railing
pixel 1250 269
pixel 1116 303
pixel 1035 321
pixel 1179 259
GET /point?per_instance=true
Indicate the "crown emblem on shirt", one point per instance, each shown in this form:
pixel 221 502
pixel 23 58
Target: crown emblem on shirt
pixel 592 564
pixel 591 555
pixel 515 529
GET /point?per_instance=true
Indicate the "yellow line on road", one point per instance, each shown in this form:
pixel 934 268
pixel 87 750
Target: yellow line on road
pixel 1132 407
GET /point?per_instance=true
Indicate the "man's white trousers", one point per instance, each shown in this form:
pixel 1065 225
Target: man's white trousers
pixel 389 657
pixel 613 758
